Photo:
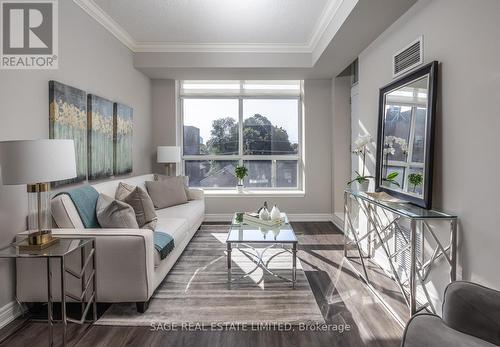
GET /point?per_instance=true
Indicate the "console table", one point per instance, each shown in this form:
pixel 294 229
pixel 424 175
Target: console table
pixel 86 274
pixel 384 221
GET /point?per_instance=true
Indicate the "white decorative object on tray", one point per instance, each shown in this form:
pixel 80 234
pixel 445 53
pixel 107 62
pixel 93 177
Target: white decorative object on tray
pixel 275 213
pixel 254 219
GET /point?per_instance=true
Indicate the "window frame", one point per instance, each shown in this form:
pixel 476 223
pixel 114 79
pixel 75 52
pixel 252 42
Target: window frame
pixel 240 157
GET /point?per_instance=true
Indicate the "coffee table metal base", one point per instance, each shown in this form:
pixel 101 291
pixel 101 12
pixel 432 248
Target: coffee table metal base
pixel 257 257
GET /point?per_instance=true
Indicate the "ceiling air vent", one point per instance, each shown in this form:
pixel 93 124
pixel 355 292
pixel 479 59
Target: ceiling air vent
pixel 409 57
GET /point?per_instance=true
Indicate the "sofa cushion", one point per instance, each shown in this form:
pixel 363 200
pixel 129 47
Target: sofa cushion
pixel 113 213
pixel 123 190
pixel 192 212
pixel 144 208
pixel 183 179
pixel 175 227
pixel 64 213
pixel 167 193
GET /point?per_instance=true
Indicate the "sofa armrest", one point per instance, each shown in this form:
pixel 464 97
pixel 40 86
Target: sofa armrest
pixel 196 194
pixel 124 269
pixel 473 309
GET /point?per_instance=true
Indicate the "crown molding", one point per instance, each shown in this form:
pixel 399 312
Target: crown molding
pixel 94 11
pixel 98 14
pixel 326 18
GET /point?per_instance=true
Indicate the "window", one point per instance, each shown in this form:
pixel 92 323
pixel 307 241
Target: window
pixel 253 123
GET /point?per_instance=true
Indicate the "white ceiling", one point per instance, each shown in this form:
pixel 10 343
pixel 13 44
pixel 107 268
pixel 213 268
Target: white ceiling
pixel 238 39
pixel 218 21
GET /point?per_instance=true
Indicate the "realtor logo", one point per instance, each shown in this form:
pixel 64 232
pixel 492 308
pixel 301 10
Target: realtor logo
pixel 28 34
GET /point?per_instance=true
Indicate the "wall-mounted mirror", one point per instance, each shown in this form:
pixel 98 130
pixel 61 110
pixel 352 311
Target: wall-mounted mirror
pixel 405 143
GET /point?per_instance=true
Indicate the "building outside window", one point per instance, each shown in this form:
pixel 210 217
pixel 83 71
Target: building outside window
pixel 253 123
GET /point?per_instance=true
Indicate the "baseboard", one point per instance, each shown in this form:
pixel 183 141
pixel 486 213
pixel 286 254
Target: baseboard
pixel 294 217
pixel 338 220
pixel 9 312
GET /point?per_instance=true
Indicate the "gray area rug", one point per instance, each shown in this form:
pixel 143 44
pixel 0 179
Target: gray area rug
pixel 195 291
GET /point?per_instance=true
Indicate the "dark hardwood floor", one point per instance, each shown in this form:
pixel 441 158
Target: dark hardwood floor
pixel 341 296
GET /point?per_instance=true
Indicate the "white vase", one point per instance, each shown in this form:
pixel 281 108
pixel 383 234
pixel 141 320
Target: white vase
pixel 264 214
pixel 275 213
pixel 360 187
pixel 240 186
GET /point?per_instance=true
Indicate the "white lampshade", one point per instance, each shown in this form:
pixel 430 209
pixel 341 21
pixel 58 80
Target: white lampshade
pixel 168 154
pixel 37 161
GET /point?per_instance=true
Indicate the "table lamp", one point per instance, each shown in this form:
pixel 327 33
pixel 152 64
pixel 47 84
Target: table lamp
pixel 36 163
pixel 169 155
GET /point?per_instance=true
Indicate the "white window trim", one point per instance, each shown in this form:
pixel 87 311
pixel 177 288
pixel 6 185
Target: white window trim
pixel 298 191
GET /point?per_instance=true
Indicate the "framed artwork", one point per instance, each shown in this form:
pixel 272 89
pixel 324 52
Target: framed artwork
pixel 68 120
pixel 100 137
pixel 123 131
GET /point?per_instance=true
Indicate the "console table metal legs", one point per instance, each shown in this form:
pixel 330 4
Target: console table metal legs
pixel 383 224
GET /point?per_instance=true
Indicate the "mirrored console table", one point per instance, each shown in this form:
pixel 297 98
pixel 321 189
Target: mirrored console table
pixel 372 223
pixel 85 274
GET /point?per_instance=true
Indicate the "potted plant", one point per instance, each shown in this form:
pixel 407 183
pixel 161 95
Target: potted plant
pixel 415 179
pixel 361 181
pixel 241 172
pixel 391 179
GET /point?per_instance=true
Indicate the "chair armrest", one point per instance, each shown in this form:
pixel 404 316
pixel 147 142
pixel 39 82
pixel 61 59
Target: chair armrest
pixel 196 194
pixel 473 309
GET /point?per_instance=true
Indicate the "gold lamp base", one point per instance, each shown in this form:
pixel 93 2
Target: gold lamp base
pixel 39 240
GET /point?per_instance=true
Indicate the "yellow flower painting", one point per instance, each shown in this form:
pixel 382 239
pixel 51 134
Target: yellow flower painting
pixel 100 137
pixel 123 127
pixel 68 120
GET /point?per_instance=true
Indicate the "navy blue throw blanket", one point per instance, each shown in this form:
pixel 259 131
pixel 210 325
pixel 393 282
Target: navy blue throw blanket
pixel 85 200
pixel 164 243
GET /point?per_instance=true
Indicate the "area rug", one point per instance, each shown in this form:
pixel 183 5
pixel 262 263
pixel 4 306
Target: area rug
pixel 196 292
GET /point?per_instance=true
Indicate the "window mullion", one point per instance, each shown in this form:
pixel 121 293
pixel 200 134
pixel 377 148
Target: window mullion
pixel 240 127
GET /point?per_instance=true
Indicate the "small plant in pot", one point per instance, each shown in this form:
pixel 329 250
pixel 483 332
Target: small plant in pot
pixel 361 181
pixel 415 179
pixel 241 172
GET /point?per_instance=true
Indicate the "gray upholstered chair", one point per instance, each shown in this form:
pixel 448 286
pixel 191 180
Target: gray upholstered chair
pixel 471 317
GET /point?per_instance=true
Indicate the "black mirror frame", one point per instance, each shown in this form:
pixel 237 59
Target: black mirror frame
pixel 430 69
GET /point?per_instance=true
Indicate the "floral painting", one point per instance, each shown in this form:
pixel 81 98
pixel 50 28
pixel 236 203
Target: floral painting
pixel 123 127
pixel 68 120
pixel 100 137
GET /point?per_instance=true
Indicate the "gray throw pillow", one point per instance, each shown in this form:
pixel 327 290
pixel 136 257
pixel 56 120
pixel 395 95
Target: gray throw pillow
pixel 183 179
pixel 112 213
pixel 143 207
pixel 167 193
pixel 123 190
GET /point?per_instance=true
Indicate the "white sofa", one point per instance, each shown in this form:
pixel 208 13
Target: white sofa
pixel 129 268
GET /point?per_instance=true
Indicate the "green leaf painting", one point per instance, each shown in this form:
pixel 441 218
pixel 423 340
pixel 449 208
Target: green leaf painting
pixel 68 120
pixel 123 128
pixel 100 137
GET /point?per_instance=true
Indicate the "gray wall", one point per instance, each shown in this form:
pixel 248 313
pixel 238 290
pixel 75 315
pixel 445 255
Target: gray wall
pixel 463 36
pixel 341 140
pixel 318 150
pixel 90 59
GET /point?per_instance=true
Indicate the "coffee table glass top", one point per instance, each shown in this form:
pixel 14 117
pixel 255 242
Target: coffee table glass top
pixel 243 232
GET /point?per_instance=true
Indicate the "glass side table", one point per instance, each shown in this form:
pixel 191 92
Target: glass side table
pixel 86 275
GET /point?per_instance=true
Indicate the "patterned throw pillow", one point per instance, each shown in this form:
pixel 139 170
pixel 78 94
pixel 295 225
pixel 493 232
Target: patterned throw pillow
pixel 112 213
pixel 141 203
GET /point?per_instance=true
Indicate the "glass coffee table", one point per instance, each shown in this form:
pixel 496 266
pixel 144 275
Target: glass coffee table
pixel 246 234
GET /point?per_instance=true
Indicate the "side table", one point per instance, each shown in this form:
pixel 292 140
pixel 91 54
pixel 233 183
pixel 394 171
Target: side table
pixel 87 276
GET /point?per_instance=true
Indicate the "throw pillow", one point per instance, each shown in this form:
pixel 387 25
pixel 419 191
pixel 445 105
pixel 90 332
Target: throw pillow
pixel 112 213
pixel 183 179
pixel 167 193
pixel 123 190
pixel 143 207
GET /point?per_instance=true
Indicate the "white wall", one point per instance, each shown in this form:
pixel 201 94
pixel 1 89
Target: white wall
pixel 318 151
pixel 464 37
pixel 90 59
